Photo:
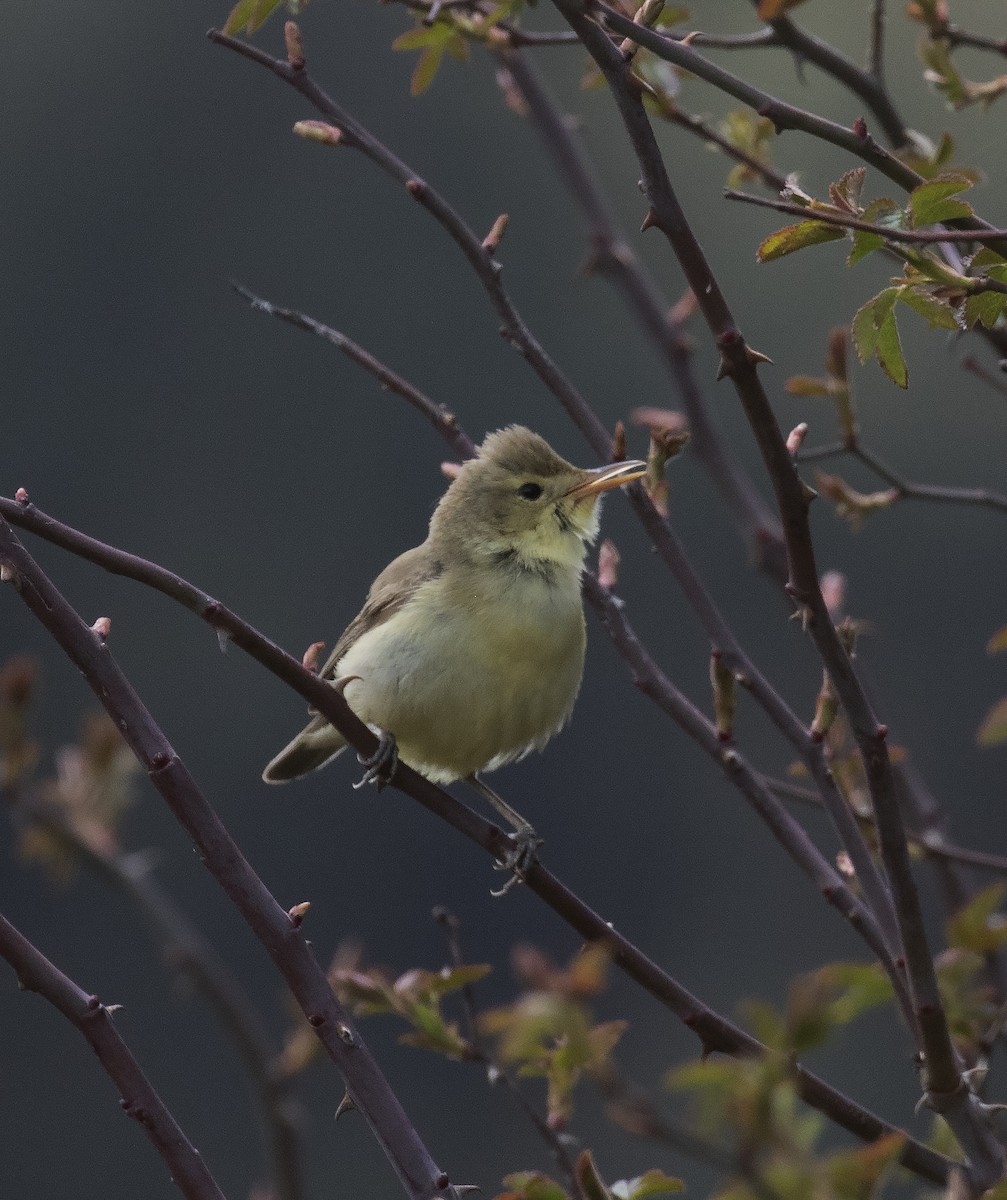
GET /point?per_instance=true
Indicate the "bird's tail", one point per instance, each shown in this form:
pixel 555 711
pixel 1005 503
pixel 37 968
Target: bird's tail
pixel 314 746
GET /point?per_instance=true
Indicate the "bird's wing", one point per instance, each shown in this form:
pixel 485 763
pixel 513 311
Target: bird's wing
pixel 393 588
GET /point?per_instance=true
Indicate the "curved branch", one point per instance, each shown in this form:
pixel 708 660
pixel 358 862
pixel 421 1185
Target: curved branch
pixel 715 1032
pixel 139 1099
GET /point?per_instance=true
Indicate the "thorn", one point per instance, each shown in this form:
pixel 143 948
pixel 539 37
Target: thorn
pixel 860 128
pixel 102 627
pixel 808 492
pixel 21 496
pixel 343 682
pixel 7 573
pixel 309 660
pixel 723 368
pixel 295 47
pixel 346 1105
pixel 223 637
pixel 112 1009
pixel 319 131
pixel 756 356
pixel 298 912
pixel 491 242
pixel 649 220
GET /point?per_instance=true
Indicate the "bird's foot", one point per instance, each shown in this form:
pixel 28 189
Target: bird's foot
pixel 379 766
pixel 521 856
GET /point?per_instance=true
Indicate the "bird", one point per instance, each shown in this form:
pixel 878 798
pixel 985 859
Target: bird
pixel 469 650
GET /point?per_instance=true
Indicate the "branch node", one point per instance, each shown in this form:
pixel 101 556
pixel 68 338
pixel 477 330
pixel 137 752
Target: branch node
pixel 346 1034
pixel 9 575
pixel 298 912
pixel 415 187
pixel 316 1020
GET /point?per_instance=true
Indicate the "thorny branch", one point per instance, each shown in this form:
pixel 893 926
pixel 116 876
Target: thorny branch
pixel 94 1020
pixel 715 1032
pixel 944 1088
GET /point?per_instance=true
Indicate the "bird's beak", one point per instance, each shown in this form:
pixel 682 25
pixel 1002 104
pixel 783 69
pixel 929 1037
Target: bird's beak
pixel 600 479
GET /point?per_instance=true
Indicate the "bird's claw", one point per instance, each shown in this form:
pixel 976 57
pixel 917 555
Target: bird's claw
pixel 519 859
pixel 381 765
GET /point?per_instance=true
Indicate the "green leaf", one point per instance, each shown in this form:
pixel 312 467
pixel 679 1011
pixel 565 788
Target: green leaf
pixel 249 15
pixel 984 308
pixel 882 211
pixel 426 70
pixel 938 313
pixel 993 730
pixel 888 352
pixel 931 203
pixel 978 926
pixel 531 1185
pixel 653 1183
pixel 796 237
pixel 868 320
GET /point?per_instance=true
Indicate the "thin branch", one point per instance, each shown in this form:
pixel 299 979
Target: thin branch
pixel 831 216
pixel 867 84
pixel 931 492
pixel 876 42
pixel 927 841
pixel 974 367
pixel 715 1032
pixel 612 256
pixel 497 1072
pixel 192 956
pixel 421 1179
pixel 944 1088
pixel 94 1020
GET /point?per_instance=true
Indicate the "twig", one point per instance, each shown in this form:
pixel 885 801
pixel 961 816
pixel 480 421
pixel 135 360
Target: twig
pixel 612 256
pixel 715 1032
pixel 139 1099
pixel 440 417
pixel 495 1071
pixel 420 1177
pixel 907 490
pixel 831 216
pixel 974 367
pixel 867 84
pixel 192 955
pixel 944 1089
pixel 876 42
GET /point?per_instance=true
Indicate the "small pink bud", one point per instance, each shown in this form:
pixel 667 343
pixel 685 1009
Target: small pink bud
pixel 834 591
pixel 102 627
pixel 310 658
pixel 795 439
pixel 21 496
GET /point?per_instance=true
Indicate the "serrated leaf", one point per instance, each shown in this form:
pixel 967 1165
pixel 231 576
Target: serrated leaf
pixel 978 926
pixel 797 237
pixel 421 37
pixel 888 352
pixel 984 308
pixel 993 729
pixel 882 211
pixel 846 193
pixel 867 321
pixel 933 202
pixel 938 313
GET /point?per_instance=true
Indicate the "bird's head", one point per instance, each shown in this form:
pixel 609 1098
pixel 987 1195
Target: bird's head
pixel 518 498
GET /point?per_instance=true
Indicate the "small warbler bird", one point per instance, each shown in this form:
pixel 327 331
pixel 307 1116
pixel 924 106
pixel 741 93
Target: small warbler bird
pixel 469 650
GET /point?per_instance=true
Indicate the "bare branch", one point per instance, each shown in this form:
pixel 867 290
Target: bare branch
pixel 139 1100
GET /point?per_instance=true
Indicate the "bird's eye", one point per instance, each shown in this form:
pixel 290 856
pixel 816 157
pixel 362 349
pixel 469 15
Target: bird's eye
pixel 529 491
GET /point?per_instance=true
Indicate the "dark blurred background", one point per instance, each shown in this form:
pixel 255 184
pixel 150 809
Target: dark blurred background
pixel 146 404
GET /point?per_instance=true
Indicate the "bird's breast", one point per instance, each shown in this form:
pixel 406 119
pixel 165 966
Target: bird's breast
pixel 473 671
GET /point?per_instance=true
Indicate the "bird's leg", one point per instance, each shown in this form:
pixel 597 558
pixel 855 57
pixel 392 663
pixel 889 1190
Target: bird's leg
pixel 525 840
pixel 380 766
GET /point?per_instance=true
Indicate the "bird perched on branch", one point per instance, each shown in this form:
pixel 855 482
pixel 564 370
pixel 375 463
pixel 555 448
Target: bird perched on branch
pixel 469 650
